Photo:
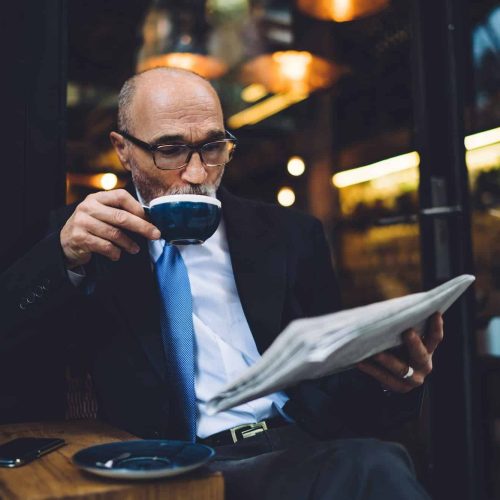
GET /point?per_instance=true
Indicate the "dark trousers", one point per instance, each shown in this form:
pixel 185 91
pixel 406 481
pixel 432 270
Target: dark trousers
pixel 286 463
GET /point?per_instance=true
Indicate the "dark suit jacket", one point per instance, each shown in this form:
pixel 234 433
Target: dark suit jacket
pixel 283 271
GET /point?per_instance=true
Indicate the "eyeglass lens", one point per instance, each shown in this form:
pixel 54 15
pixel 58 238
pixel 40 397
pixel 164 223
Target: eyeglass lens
pixel 212 154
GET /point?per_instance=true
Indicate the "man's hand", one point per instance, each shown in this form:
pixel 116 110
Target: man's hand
pixel 390 371
pixel 97 225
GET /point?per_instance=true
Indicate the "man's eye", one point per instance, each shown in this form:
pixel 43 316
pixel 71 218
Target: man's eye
pixel 172 150
pixel 213 147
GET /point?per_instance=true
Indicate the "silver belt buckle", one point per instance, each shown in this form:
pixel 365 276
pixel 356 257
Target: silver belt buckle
pixel 247 430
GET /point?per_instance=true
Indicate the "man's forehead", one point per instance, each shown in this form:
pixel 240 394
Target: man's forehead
pixel 178 101
pixel 166 90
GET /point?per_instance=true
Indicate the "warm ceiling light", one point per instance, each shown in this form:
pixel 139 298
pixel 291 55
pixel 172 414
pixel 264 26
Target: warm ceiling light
pixel 291 71
pixel 253 92
pixel 169 38
pixel 293 64
pixel 482 152
pixel 374 170
pixel 341 10
pixel 95 181
pixel 264 109
pixel 481 139
pixel 296 166
pixel 108 181
pixel 205 66
pixel 485 157
pixel 286 197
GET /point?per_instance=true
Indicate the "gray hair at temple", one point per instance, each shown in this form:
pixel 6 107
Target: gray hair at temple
pixel 127 92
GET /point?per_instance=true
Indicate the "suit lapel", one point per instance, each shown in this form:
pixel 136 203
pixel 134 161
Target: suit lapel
pixel 259 267
pixel 258 258
pixel 135 289
pixel 135 293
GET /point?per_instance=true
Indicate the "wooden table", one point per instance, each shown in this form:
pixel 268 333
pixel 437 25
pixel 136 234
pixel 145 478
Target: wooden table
pixel 54 476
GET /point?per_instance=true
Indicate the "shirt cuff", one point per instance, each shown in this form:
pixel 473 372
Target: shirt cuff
pixel 76 275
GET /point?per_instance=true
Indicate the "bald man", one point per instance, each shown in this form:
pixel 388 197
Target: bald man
pixel 87 292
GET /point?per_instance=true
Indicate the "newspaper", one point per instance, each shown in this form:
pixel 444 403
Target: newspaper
pixel 314 347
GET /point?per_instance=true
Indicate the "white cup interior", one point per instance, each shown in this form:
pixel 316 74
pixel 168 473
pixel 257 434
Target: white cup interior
pixel 172 198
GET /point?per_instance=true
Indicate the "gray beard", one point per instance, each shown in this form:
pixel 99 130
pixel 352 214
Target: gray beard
pixel 203 189
pixel 150 190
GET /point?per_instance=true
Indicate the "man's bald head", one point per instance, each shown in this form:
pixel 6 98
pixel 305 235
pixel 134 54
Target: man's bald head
pixel 168 106
pixel 157 79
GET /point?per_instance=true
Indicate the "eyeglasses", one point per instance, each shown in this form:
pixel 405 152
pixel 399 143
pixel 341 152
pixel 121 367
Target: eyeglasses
pixel 177 156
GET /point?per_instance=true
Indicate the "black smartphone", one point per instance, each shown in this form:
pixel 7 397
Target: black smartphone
pixel 20 451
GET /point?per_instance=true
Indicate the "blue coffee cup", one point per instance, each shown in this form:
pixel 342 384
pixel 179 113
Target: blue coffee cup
pixel 185 219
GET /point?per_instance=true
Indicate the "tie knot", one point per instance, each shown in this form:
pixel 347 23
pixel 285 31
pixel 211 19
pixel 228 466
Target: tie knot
pixel 169 256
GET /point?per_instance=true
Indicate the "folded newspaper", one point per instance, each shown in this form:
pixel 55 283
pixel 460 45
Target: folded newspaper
pixel 314 347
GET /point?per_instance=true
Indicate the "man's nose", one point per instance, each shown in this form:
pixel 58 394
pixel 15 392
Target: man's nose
pixel 194 172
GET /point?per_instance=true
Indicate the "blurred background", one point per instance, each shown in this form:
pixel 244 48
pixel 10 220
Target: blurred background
pixel 310 89
pixel 379 117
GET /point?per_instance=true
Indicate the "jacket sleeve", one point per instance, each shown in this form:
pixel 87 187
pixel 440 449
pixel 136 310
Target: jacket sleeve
pixel 35 286
pixel 349 403
pixel 37 331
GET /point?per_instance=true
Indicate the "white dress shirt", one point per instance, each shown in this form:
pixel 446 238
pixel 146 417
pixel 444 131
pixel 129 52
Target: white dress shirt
pixel 224 343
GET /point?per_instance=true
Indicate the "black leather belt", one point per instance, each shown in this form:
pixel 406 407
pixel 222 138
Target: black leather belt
pixel 244 431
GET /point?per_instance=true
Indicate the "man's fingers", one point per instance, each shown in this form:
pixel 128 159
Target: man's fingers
pixel 98 226
pixel 119 198
pixel 390 371
pixel 434 334
pixel 387 379
pixel 419 358
pixel 111 233
pixel 123 219
pixel 94 244
pixel 391 363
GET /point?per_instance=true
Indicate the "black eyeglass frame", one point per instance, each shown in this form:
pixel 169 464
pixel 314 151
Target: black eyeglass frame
pixel 152 148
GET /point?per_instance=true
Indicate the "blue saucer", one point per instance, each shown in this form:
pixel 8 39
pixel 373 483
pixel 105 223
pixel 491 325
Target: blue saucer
pixel 144 459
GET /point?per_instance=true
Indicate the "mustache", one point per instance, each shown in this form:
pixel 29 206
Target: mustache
pixel 201 189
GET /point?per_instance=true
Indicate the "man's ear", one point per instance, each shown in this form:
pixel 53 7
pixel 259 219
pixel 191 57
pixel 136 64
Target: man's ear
pixel 121 148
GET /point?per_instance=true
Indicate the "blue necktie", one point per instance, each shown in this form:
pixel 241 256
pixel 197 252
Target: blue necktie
pixel 178 339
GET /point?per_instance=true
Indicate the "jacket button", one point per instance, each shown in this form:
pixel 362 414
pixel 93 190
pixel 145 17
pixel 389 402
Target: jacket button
pixel 25 302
